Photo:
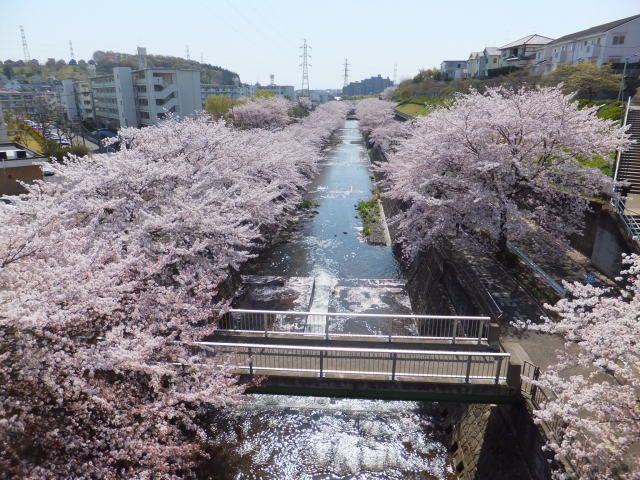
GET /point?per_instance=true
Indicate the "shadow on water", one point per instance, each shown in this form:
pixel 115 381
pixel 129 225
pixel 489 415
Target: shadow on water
pixel 286 437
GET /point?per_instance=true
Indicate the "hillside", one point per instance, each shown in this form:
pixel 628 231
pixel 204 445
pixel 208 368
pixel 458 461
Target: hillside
pixel 33 71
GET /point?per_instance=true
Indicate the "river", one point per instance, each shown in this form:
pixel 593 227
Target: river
pixel 286 437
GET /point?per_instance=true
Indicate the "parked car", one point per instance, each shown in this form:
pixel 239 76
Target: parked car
pixel 103 133
pixel 47 170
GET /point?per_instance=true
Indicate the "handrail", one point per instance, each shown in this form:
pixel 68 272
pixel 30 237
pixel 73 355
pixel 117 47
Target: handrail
pixel 371 315
pixel 559 289
pixel 624 122
pixel 356 363
pixel 353 349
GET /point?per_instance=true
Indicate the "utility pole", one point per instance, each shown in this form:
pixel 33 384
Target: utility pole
pixel 71 54
pixel 346 73
pixel 25 47
pixel 305 56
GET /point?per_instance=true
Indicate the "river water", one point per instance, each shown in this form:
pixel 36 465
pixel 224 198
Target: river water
pixel 286 437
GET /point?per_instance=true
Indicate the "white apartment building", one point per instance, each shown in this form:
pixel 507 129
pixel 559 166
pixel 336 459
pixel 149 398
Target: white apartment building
pixel 84 100
pixel 232 91
pixel 135 98
pixel 612 42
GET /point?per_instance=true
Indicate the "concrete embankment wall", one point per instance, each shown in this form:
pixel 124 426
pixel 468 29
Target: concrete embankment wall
pixel 486 442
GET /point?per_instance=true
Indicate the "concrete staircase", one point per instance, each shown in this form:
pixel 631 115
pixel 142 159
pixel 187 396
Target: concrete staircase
pixel 628 170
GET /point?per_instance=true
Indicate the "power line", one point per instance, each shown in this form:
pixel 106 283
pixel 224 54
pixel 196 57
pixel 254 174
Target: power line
pixel 346 72
pixel 25 47
pixel 305 56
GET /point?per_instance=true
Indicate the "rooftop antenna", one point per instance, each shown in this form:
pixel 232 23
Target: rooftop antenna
pixel 346 72
pixel 25 47
pixel 71 54
pixel 305 56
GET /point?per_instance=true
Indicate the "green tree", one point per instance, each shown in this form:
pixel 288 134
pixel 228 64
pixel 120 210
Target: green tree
pixel 589 80
pixel 264 93
pixel 218 105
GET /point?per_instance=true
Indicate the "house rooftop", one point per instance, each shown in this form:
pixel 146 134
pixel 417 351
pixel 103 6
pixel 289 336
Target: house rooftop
pixel 534 39
pixel 11 149
pixel 605 27
pixel 492 51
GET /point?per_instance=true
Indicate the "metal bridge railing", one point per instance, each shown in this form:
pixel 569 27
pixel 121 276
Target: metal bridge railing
pixel 362 363
pixel 370 326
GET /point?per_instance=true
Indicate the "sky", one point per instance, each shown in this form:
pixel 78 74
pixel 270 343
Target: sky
pixel 258 38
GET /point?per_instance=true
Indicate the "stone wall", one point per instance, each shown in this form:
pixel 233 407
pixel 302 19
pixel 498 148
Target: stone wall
pixel 492 442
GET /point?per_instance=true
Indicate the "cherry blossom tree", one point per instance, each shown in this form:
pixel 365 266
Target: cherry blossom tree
pixel 499 166
pixel 378 123
pixel 598 413
pixel 269 113
pixel 106 278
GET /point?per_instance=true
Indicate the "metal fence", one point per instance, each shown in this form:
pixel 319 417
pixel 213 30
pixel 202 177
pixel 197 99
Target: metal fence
pixel 369 326
pixel 363 363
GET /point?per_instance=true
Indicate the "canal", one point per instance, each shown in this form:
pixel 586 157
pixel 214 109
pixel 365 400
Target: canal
pixel 285 437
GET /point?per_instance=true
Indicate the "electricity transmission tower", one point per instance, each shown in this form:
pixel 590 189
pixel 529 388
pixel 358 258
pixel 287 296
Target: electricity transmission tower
pixel 346 72
pixel 71 54
pixel 25 47
pixel 305 56
pixel 188 54
pixel 395 74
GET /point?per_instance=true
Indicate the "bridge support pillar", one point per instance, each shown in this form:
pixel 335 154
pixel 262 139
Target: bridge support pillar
pixel 494 335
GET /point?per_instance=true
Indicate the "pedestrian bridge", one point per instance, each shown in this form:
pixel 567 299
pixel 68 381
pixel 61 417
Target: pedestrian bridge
pixel 416 357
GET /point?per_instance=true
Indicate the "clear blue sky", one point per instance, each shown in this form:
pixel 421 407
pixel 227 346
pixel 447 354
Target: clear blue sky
pixel 256 38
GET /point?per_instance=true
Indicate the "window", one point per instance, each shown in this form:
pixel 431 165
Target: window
pixel 585 42
pixel 495 60
pixel 618 40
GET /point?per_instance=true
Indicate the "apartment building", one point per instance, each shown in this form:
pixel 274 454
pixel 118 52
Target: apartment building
pixel 611 42
pixel 232 91
pixel 135 98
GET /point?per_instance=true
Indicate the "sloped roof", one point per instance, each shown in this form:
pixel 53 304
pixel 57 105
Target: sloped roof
pixel 534 39
pixel 474 55
pixel 492 51
pixel 605 27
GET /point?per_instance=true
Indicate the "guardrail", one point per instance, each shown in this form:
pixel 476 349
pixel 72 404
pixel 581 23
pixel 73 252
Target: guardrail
pixel 630 223
pixel 555 286
pixel 362 363
pixel 375 326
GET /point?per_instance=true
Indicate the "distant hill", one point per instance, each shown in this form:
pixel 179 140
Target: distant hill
pixel 105 61
pixel 33 71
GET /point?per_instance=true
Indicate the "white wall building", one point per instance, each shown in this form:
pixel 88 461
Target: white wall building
pixel 612 42
pixel 522 53
pixel 454 69
pixel 134 98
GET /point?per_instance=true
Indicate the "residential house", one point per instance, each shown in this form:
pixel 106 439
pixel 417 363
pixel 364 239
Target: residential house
pixel 612 42
pixel 473 64
pixel 454 69
pixel 491 59
pixel 18 164
pixel 521 53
